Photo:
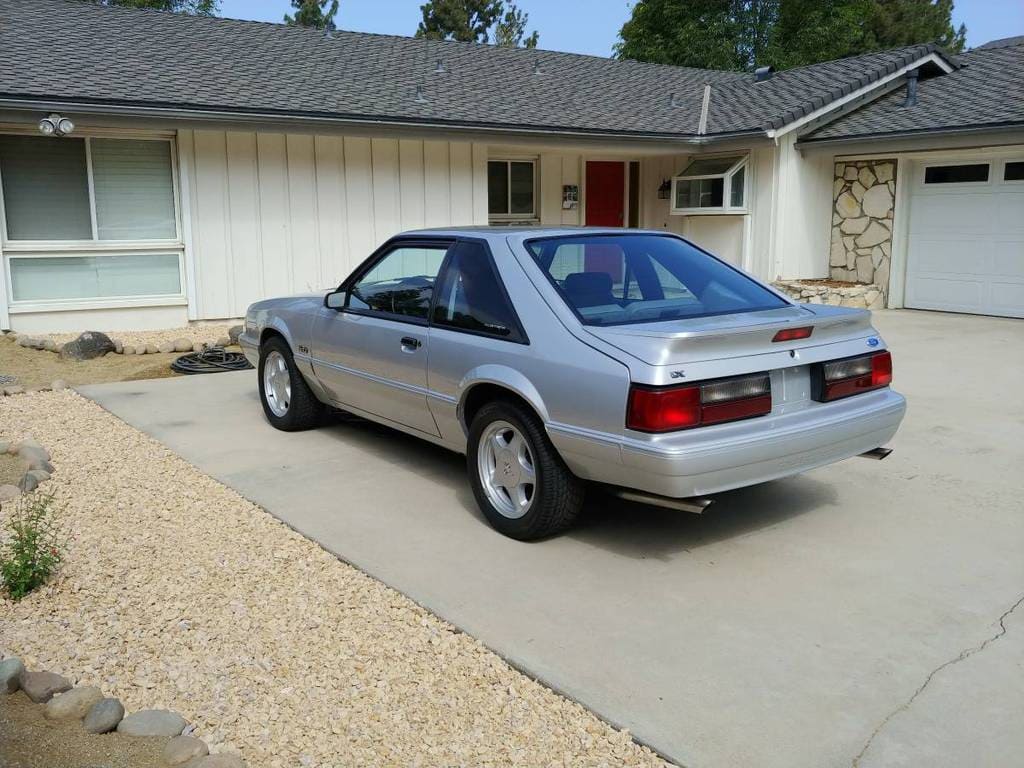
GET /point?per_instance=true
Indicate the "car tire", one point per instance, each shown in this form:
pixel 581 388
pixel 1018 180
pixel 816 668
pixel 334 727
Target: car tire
pixel 506 441
pixel 291 408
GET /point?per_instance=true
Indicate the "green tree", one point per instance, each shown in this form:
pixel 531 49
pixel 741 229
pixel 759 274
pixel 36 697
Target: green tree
pixel 475 21
pixel 688 33
pixel 511 30
pixel 195 7
pixel 742 34
pixel 893 23
pixel 313 13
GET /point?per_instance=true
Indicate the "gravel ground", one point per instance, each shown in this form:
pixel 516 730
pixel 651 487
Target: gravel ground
pixel 180 594
pixel 28 740
pixel 201 332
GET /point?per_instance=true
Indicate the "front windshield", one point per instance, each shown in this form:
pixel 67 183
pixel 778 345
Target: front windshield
pixel 637 278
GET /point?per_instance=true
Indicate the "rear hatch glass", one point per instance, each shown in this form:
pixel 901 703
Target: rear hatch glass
pixel 613 280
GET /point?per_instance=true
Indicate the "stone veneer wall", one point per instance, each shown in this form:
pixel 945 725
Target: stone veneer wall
pixel 863 194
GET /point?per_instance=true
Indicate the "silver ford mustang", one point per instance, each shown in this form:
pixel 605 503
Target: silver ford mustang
pixel 550 357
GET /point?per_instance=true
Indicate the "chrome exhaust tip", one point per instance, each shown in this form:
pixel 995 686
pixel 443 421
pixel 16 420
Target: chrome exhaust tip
pixel 694 505
pixel 877 453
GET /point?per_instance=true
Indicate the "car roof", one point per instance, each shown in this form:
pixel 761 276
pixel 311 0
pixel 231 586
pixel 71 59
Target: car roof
pixel 501 232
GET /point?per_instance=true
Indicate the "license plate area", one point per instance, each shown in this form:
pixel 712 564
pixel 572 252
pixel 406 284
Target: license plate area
pixel 791 388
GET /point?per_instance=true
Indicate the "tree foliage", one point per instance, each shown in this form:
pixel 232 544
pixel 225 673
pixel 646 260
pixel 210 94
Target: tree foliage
pixel 195 7
pixel 476 21
pixel 511 30
pixel 742 34
pixel 313 13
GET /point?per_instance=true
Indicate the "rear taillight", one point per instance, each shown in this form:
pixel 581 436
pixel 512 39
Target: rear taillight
pixel 666 409
pixel 837 379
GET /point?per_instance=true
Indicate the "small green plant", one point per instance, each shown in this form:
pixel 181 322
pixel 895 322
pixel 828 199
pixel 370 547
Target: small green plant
pixel 31 551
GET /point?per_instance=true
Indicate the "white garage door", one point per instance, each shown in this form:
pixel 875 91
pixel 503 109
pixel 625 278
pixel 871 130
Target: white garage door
pixel 966 241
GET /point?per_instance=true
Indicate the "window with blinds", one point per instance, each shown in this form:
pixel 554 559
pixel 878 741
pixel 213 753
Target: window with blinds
pixel 46 188
pixel 134 190
pixel 87 189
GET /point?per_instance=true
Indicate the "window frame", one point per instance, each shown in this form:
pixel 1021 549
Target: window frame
pixel 95 302
pixel 378 256
pixel 518 335
pixel 504 218
pixel 94 241
pixel 13 249
pixel 955 185
pixel 727 177
pixel 1002 172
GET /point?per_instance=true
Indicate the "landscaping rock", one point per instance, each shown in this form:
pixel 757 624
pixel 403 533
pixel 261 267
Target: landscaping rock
pixel 234 332
pixel 104 716
pixel 10 672
pixel 128 350
pixel 50 345
pixel 220 760
pixel 8 492
pixel 152 349
pixel 73 705
pixel 182 345
pixel 165 347
pixel 41 686
pixel 118 347
pixel 58 384
pixel 14 390
pixel 224 341
pixel 181 749
pixel 89 345
pixel 152 722
pixel 28 482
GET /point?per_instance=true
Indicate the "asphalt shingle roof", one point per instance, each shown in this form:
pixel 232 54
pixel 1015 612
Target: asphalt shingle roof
pixel 70 50
pixel 987 91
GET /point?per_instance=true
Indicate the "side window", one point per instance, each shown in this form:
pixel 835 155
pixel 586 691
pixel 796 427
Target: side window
pixel 401 283
pixel 471 298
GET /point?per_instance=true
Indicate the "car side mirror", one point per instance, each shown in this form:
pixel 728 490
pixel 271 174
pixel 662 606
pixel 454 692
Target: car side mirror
pixel 335 300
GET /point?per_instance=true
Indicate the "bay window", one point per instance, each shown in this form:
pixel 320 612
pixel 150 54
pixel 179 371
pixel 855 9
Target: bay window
pixel 89 219
pixel 711 185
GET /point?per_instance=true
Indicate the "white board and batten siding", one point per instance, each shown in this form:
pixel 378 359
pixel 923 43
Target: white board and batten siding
pixel 272 214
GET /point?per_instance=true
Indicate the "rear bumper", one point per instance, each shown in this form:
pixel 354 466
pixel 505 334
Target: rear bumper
pixel 705 461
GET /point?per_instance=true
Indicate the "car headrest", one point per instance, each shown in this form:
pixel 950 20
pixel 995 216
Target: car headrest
pixel 589 284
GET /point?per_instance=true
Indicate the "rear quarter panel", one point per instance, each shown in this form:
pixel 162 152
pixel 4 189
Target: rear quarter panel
pixel 576 389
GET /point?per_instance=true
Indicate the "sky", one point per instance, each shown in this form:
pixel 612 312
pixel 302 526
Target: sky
pixel 589 26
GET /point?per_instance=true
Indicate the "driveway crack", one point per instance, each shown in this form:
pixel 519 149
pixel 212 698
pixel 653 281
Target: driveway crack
pixel 963 655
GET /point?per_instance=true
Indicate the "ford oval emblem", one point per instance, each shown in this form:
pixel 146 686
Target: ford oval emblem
pixel 872 342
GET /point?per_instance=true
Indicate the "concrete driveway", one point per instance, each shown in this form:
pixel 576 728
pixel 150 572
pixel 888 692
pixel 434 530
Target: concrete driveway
pixel 861 614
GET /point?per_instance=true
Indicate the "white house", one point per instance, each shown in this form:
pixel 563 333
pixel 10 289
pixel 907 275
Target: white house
pixel 157 169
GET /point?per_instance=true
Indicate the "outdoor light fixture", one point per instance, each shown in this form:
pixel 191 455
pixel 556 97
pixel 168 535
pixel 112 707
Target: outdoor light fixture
pixel 665 190
pixel 55 125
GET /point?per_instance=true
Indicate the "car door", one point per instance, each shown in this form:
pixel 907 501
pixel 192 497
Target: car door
pixel 371 354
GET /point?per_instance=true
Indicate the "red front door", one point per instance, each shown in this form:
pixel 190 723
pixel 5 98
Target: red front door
pixel 605 194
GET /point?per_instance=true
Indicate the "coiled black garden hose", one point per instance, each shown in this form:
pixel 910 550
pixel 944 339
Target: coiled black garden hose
pixel 211 360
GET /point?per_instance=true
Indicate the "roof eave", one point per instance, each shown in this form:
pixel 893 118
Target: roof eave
pixel 230 114
pixel 951 130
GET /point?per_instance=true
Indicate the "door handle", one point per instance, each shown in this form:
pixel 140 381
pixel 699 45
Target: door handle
pixel 409 343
